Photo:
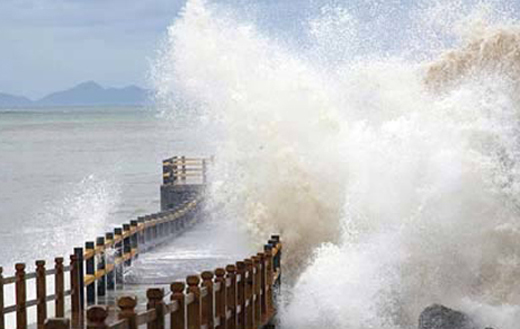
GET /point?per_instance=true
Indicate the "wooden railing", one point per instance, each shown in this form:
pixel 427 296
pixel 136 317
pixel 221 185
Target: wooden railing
pixel 94 269
pixel 182 170
pixel 241 296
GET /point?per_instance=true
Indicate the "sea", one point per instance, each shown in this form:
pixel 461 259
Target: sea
pixel 68 175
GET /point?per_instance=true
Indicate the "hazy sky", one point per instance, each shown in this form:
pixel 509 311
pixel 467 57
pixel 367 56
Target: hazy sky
pixel 47 45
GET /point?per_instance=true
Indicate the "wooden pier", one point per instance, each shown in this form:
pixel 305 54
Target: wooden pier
pixel 241 296
pixel 183 178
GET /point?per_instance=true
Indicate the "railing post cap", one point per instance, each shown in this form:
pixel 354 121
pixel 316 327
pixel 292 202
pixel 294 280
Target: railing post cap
pixel 193 280
pixel 241 265
pixel 231 268
pixel 155 293
pixel 58 260
pixel 57 323
pixel 177 286
pixel 127 302
pixel 20 266
pixel 40 263
pixel 97 314
pixel 220 272
pixel 89 245
pixel 207 275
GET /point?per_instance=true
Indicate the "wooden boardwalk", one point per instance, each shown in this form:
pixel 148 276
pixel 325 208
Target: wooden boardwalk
pixel 239 296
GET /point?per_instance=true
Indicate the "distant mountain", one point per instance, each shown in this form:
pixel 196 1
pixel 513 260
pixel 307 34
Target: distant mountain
pixel 90 93
pixel 7 100
pixel 85 94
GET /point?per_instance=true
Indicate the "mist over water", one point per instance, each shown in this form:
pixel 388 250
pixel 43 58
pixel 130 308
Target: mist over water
pixel 388 161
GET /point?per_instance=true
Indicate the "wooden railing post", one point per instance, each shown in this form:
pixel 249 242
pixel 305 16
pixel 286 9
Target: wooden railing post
pixel 204 169
pixel 74 290
pixel 257 303
pixel 59 288
pixel 220 298
pixel 127 306
pixel 41 293
pixel 57 323
pixel 127 245
pixel 141 236
pixel 263 286
pixel 2 316
pixel 110 262
pixel 134 239
pixel 248 293
pixel 275 240
pixel 269 270
pixel 147 232
pixel 231 296
pixel 21 297
pixel 241 317
pixel 90 269
pixel 155 301
pixel 183 172
pixel 155 234
pixel 207 303
pixel 101 266
pixel 96 317
pixel 178 318
pixel 166 172
pixel 81 278
pixel 173 169
pixel 118 232
pixel 194 309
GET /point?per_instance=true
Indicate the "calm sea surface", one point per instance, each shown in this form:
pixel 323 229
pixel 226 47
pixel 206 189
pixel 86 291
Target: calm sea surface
pixel 68 175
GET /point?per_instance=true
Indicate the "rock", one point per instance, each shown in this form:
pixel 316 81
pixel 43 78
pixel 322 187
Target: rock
pixel 440 317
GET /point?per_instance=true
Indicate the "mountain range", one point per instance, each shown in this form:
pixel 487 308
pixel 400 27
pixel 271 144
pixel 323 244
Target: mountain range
pixel 87 93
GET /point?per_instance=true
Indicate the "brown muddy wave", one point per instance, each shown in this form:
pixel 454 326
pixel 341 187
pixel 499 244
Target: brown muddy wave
pixel 496 50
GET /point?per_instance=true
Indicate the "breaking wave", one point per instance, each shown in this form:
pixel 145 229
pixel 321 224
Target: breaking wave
pixel 394 182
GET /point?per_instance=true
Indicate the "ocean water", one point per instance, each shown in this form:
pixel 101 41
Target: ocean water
pixel 68 175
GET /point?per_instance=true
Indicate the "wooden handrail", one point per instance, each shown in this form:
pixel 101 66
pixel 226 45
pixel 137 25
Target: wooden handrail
pixel 101 270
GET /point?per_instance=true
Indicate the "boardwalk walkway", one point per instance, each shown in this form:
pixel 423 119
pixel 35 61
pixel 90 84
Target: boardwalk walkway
pixel 141 259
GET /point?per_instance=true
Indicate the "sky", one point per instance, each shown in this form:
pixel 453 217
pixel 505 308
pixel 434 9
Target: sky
pixel 49 45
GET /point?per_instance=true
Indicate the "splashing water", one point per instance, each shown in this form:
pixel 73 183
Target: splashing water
pixel 82 210
pixel 393 182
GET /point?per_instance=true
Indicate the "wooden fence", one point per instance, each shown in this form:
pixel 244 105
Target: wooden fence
pixel 241 296
pixel 182 170
pixel 92 270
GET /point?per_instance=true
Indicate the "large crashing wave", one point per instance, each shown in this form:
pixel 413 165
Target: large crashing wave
pixel 393 183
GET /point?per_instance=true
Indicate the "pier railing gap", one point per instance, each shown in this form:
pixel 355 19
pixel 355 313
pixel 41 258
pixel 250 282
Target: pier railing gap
pixel 98 267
